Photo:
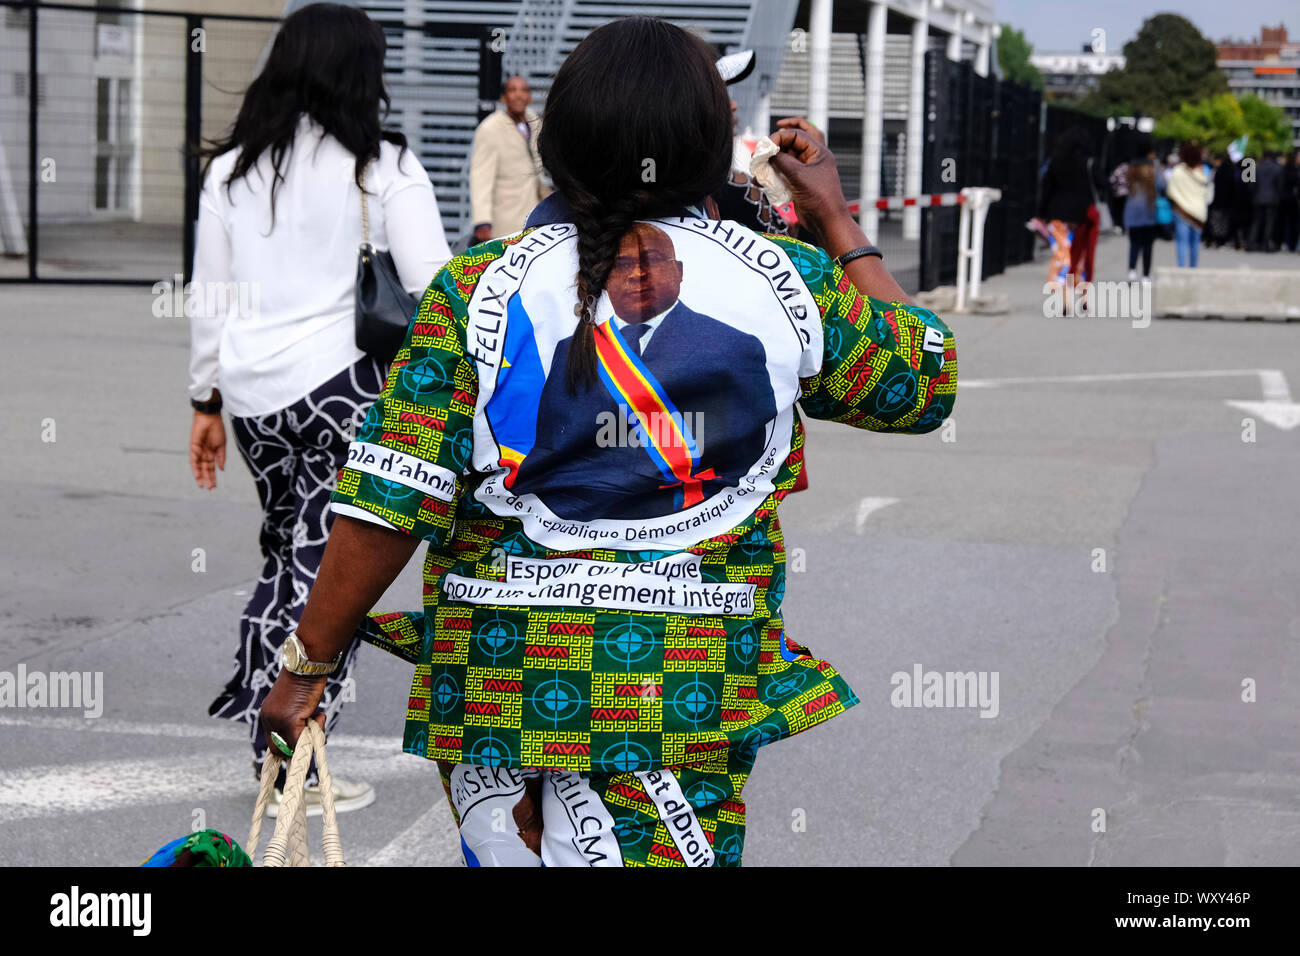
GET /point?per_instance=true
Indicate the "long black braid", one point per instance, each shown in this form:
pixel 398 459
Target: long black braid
pixel 600 230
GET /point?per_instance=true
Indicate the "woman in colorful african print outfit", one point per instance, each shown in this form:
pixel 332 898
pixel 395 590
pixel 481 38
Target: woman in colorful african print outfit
pixel 1065 203
pixel 280 221
pixel 597 472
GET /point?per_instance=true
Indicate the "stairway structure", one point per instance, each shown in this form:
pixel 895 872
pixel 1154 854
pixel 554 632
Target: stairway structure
pixel 434 80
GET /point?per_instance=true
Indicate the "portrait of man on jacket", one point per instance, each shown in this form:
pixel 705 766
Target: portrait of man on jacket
pixel 699 385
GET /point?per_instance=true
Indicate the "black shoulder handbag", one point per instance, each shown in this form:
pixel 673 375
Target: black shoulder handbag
pixel 384 307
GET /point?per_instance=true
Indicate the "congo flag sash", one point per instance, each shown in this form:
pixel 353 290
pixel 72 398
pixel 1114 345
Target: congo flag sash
pixel 664 432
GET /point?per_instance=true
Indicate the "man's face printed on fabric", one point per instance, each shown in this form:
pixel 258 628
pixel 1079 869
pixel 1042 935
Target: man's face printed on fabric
pixel 646 278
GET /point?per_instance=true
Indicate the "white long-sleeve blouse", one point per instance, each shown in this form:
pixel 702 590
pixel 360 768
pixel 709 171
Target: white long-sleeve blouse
pixel 272 303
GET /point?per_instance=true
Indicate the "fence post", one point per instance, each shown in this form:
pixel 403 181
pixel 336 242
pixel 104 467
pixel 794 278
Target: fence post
pixel 970 241
pixel 33 159
pixel 490 79
pixel 193 134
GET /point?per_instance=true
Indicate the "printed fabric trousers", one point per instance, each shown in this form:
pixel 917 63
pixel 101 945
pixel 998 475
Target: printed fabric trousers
pixel 295 455
pixel 1074 249
pixel 1059 267
pixel 678 816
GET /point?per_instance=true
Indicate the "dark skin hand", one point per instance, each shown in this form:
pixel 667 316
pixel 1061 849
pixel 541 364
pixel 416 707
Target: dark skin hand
pixel 809 168
pixel 801 122
pixel 361 560
pixel 803 230
pixel 207 447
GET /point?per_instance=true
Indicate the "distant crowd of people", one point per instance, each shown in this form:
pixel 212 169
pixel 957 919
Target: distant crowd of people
pixel 1193 197
pixel 1198 196
pixel 1260 214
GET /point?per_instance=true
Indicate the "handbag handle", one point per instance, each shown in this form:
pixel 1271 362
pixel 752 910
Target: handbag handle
pixel 365 211
pixel 289 841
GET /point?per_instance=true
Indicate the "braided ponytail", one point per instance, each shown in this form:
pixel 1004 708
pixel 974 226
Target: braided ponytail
pixel 600 229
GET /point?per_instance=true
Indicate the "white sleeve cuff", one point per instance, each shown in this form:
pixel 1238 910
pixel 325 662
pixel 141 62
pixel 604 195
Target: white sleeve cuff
pixel 361 514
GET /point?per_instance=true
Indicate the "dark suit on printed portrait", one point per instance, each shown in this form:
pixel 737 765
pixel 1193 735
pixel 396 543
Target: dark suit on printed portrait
pixel 713 373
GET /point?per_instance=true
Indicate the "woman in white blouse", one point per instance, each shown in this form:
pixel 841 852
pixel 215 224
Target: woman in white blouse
pixel 272 314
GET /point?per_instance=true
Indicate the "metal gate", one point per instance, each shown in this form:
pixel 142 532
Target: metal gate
pixel 103 110
pixel 979 132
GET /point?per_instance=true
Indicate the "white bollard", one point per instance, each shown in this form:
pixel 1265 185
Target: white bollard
pixel 970 240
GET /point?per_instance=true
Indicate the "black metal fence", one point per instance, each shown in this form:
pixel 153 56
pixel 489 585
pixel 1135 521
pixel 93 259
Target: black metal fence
pixel 984 132
pixel 103 110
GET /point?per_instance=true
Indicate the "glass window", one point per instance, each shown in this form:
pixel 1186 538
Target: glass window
pixel 101 182
pixel 102 94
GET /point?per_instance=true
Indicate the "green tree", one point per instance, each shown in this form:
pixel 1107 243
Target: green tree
pixel 1268 125
pixel 1218 120
pixel 1167 64
pixel 1213 122
pixel 1013 57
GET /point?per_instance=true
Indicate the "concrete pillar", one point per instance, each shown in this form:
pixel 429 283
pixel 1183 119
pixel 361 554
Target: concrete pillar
pixel 763 114
pixel 915 124
pixel 819 62
pixel 873 120
pixel 982 53
pixel 412 71
pixel 953 49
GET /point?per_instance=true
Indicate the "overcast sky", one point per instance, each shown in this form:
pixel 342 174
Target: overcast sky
pixel 1054 26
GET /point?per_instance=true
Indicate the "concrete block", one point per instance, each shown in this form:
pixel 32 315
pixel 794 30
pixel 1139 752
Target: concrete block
pixel 1228 293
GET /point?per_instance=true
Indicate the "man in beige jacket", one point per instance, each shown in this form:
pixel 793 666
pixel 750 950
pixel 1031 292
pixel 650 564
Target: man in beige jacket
pixel 505 176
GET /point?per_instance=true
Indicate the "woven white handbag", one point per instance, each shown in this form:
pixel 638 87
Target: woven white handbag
pixel 289 841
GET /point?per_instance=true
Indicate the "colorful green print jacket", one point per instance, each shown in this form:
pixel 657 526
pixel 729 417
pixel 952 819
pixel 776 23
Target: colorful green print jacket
pixel 605 566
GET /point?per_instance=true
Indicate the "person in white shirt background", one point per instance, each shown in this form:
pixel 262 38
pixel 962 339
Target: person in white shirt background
pixel 280 218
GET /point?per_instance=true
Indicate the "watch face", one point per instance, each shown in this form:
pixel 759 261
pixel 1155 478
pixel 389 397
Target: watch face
pixel 290 654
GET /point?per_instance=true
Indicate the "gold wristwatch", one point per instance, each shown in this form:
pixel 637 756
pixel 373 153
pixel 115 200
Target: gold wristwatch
pixel 293 657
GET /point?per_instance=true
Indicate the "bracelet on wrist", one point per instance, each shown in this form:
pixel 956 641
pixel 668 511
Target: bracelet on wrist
pixel 846 257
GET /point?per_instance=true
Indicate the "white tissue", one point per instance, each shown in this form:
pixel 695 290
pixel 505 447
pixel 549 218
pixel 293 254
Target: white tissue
pixel 761 168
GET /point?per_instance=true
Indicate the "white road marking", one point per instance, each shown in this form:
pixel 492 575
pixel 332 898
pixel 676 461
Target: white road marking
pixel 1273 384
pixel 1277 408
pixel 1285 416
pixel 191 778
pixel 432 840
pixel 98 785
pixel 867 505
pixel 217 730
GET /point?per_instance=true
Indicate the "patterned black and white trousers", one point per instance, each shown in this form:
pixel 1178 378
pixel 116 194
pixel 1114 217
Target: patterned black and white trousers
pixel 295 455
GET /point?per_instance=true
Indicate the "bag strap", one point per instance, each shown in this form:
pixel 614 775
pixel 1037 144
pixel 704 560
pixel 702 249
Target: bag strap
pixel 289 841
pixel 365 209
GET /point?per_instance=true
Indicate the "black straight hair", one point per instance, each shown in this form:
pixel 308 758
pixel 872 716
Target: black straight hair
pixel 328 62
pixel 637 125
pixel 1071 146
